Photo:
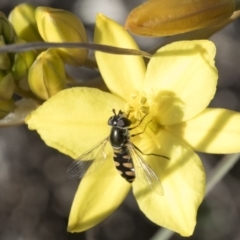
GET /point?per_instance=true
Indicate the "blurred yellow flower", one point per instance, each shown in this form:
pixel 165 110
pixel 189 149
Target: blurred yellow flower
pixel 174 91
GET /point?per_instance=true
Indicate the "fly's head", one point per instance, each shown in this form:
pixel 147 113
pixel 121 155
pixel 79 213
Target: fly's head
pixel 119 120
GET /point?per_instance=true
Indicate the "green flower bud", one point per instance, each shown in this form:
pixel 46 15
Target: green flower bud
pixel 22 62
pixel 7 85
pixel 47 76
pixel 6 107
pixel 56 25
pixel 23 20
pixel 5 63
pixel 6 29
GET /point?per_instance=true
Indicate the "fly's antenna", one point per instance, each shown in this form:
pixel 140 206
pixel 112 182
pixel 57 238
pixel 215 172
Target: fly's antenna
pixel 120 112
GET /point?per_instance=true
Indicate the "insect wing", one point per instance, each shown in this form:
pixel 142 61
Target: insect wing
pixel 144 172
pixel 89 162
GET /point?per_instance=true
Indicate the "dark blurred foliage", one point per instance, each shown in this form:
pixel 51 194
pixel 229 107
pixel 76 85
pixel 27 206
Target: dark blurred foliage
pixel 36 196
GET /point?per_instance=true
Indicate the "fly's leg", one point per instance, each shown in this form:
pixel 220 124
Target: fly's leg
pixel 148 154
pixel 134 135
pixel 138 124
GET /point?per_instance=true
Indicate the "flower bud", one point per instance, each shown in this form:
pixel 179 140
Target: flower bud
pixel 5 63
pixel 47 76
pixel 169 17
pixel 6 29
pixel 6 107
pixel 23 20
pixel 7 85
pixel 56 25
pixel 22 62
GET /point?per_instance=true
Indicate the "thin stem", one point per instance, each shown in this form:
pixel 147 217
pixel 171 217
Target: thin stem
pixel 222 168
pixel 215 176
pixel 96 47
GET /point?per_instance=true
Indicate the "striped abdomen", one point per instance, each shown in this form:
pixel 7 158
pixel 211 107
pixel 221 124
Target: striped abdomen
pixel 124 164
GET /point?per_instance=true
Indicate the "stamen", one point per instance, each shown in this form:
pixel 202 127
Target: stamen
pixel 137 107
pixel 143 100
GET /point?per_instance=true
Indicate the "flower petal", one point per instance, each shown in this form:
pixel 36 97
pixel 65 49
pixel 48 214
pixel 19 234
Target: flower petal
pixel 122 74
pixel 181 79
pixel 183 181
pixel 74 120
pixel 97 197
pixel 212 131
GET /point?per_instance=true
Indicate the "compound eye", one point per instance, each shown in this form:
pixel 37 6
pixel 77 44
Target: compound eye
pixel 110 121
pixel 121 123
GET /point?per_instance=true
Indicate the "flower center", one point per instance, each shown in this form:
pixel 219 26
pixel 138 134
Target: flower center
pixel 137 107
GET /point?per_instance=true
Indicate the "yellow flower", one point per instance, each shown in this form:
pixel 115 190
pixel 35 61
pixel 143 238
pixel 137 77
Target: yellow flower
pixel 174 91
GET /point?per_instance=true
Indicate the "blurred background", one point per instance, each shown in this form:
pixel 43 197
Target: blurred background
pixel 36 196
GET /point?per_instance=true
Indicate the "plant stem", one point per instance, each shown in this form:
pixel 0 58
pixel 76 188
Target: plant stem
pixel 215 176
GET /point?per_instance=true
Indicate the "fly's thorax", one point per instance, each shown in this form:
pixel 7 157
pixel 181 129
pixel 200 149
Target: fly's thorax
pixel 118 137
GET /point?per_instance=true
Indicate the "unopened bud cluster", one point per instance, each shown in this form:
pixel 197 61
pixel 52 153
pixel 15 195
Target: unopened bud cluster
pixel 40 73
pixel 13 66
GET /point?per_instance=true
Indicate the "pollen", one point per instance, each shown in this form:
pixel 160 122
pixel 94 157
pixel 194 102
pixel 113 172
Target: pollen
pixel 137 107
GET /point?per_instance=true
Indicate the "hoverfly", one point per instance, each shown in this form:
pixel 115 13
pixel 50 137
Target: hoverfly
pixel 127 157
